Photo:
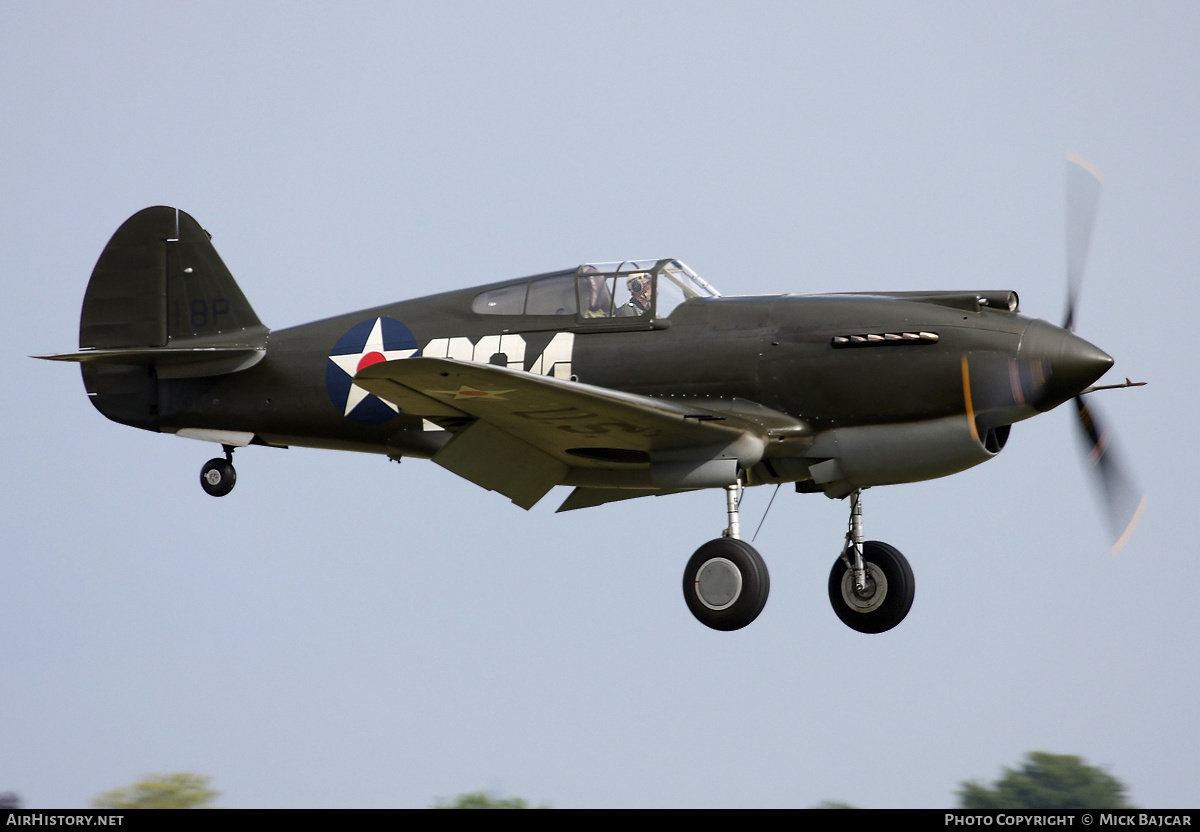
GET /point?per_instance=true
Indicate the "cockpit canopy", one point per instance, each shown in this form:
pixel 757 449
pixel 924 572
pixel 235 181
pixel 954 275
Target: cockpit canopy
pixel 627 289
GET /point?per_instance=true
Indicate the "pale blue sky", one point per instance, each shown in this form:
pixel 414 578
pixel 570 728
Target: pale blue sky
pixel 342 631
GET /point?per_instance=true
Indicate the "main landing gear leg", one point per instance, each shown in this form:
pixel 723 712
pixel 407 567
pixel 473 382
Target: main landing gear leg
pixel 726 582
pixel 733 499
pixel 854 543
pixel 218 476
pixel 871 586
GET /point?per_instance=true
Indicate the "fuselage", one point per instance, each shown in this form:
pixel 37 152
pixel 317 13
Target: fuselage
pixel 838 391
pixel 830 361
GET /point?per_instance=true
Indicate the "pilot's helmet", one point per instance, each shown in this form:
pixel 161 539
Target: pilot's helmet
pixel 638 284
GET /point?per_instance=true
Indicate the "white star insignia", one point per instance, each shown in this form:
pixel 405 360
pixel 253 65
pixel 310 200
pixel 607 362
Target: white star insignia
pixel 372 353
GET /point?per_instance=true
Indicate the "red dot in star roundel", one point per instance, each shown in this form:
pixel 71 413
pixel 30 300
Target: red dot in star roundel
pixel 369 359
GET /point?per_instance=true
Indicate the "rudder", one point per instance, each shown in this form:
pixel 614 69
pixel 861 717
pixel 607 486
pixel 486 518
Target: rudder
pixel 203 300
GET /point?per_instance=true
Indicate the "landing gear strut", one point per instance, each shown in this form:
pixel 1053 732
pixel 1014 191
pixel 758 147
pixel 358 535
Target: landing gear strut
pixel 218 476
pixel 726 582
pixel 871 585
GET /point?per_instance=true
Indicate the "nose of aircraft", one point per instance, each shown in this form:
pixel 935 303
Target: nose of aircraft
pixel 1070 363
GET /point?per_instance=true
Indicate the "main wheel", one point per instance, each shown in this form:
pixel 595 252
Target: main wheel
pixel 726 584
pixel 217 477
pixel 888 596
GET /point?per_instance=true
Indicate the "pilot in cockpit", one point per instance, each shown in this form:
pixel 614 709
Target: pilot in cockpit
pixel 640 292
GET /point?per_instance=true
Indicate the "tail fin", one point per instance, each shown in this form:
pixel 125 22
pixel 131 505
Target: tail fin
pixel 160 304
pixel 159 283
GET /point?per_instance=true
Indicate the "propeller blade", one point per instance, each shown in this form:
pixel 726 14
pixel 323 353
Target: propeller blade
pixel 1083 197
pixel 1123 500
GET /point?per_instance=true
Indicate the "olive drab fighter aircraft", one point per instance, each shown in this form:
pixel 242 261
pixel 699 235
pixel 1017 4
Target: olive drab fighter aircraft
pixel 622 380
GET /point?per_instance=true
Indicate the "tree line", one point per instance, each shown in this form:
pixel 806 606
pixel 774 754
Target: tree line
pixel 1041 782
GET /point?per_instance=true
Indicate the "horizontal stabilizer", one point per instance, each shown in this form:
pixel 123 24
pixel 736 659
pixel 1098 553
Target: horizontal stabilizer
pixel 171 362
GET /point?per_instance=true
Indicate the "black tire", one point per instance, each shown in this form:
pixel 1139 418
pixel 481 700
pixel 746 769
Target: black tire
pixel 726 584
pixel 217 477
pixel 866 614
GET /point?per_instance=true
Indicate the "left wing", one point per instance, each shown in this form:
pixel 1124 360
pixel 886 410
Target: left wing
pixel 530 432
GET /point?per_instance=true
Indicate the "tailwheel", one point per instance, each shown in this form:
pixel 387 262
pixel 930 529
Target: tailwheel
pixel 726 584
pixel 218 477
pixel 887 593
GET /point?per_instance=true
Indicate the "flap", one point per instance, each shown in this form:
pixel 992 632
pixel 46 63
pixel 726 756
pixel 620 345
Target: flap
pixel 583 497
pixel 499 462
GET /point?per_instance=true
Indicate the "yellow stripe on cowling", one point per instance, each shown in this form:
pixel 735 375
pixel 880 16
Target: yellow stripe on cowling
pixel 966 375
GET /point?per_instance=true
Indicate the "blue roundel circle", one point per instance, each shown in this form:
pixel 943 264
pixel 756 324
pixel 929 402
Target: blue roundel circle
pixel 364 344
